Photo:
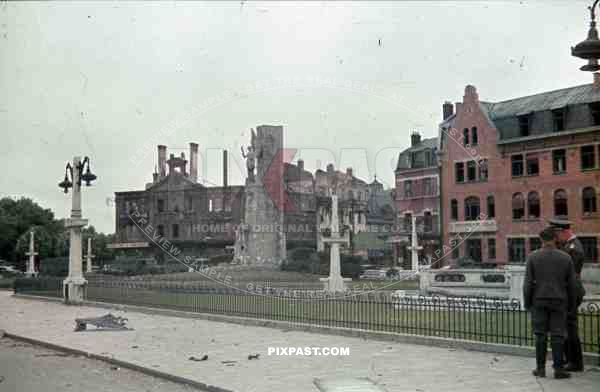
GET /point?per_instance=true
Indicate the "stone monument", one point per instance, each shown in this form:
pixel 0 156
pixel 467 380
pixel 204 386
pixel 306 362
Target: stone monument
pixel 89 257
pixel 260 239
pixel 414 246
pixel 31 272
pixel 335 282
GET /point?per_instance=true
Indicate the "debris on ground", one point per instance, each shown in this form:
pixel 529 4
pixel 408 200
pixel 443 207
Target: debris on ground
pixel 228 362
pixel 202 358
pixel 114 368
pixel 253 356
pixel 135 346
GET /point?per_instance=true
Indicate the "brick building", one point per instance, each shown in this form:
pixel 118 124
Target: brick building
pixel 417 194
pixel 507 167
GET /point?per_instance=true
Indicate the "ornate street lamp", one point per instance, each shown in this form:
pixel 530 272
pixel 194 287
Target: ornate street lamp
pixel 73 285
pixel 590 48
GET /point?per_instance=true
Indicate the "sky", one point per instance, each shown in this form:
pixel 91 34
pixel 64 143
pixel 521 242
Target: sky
pixel 348 81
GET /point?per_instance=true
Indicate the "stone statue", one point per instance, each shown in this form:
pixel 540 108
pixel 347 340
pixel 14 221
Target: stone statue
pixel 250 157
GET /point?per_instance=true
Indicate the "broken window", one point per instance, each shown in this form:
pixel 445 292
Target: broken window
pixel 474 136
pixel 517 165
pixel 471 171
pixel 471 208
pixel 483 170
pixel 408 188
pixel 516 250
pixel 533 165
pixel 518 206
pixel 160 205
pixel 524 125
pixel 558 119
pixel 595 112
pixel 466 136
pixel 454 209
pixel 561 207
pixel 559 161
pixel 589 200
pixel 588 157
pixel 459 171
pixel 533 205
pixel 175 230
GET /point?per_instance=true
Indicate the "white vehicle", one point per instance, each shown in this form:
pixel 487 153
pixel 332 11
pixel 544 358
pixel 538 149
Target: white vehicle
pixel 373 274
pixel 9 269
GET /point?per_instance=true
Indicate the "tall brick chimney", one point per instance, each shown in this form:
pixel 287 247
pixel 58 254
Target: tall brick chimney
pixel 194 162
pixel 162 161
pixel 415 138
pixel 349 172
pixel 301 164
pixel 447 109
pixel 330 168
pixel 471 94
pixel 225 168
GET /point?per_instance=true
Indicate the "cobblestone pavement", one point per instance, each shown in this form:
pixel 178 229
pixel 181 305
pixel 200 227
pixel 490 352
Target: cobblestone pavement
pixel 27 368
pixel 166 344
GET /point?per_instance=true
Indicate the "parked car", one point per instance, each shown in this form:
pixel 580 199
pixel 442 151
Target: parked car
pixel 374 274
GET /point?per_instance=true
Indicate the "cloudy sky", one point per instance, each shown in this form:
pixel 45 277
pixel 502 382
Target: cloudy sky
pixel 349 81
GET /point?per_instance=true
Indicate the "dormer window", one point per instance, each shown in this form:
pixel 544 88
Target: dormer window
pixel 558 119
pixel 524 125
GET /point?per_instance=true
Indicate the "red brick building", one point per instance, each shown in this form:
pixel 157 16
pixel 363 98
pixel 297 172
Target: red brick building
pixel 507 167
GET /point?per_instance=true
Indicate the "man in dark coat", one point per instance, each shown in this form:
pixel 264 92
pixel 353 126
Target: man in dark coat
pixel 548 292
pixel 568 242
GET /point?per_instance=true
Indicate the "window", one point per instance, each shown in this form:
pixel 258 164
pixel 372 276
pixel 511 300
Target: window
pixel 471 171
pixel 535 243
pixel 408 188
pixel 161 230
pixel 590 249
pixel 473 249
pixel 175 230
pixel 188 203
pixel 524 125
pixel 471 208
pixel 466 136
pixel 560 203
pixel 427 186
pixel 407 222
pixel 516 250
pixel 474 136
pixel 483 170
pixel 533 205
pixel 533 166
pixel 210 205
pixel 517 165
pixel 417 159
pixel 491 207
pixel 454 209
pixel 518 206
pixel 559 161
pixel 558 119
pixel 459 171
pixel 160 205
pixel 491 248
pixel 428 161
pixel 589 200
pixel 595 112
pixel 456 252
pixel 427 221
pixel 588 157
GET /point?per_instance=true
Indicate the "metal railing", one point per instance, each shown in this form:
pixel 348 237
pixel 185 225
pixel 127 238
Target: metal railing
pixel 484 319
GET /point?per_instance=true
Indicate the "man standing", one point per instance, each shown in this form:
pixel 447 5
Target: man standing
pixel 548 291
pixel 568 242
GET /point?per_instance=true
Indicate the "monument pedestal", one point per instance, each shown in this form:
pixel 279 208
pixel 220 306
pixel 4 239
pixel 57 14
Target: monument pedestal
pixel 74 284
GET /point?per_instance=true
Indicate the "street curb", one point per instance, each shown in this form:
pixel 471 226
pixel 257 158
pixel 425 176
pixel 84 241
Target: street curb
pixel 124 364
pixel 448 343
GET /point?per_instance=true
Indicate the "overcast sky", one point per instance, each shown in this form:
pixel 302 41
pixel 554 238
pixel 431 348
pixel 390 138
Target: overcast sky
pixel 106 79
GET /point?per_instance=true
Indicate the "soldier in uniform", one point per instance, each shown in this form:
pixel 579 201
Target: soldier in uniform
pixel 568 242
pixel 548 292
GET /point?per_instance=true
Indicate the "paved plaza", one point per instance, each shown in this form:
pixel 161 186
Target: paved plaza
pixel 166 344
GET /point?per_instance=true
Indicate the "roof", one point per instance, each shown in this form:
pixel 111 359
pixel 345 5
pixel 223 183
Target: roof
pixel 294 173
pixel 544 101
pixel 425 143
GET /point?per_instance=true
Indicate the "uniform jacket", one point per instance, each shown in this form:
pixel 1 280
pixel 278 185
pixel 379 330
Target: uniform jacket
pixel 549 275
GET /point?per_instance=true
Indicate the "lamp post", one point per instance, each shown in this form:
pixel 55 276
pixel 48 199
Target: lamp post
pixel 589 49
pixel 73 285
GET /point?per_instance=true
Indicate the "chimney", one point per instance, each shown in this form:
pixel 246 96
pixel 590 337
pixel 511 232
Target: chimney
pixel 194 162
pixel 162 161
pixel 329 168
pixel 596 80
pixel 349 172
pixel 225 168
pixel 415 138
pixel 447 109
pixel 301 164
pixel 471 94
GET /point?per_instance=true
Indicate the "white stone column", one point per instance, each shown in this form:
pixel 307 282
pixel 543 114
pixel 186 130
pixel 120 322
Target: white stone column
pixel 335 283
pixel 414 248
pixel 32 253
pixel 73 285
pixel 517 278
pixel 89 256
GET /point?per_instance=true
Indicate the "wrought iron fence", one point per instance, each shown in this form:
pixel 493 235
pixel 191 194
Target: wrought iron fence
pixel 485 320
pixel 43 286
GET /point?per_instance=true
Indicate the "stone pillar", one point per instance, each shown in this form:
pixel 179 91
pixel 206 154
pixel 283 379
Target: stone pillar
pixel 74 284
pixel 32 253
pixel 89 257
pixel 414 248
pixel 335 283
pixel 517 278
